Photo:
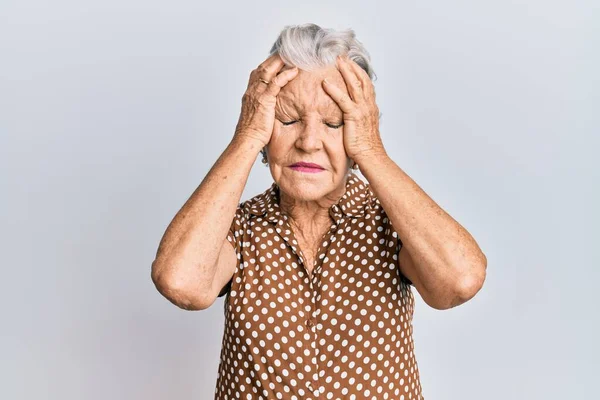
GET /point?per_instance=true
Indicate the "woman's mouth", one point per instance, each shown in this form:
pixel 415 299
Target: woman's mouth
pixel 304 166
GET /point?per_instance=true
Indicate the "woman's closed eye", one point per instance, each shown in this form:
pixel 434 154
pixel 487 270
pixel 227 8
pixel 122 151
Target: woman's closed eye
pixel 334 126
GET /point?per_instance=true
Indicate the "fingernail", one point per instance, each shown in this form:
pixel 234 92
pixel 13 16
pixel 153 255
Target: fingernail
pixel 326 81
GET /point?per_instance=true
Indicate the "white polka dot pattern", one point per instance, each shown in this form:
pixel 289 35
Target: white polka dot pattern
pixel 343 331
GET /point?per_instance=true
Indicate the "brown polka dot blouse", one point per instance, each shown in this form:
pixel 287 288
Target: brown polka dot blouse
pixel 343 331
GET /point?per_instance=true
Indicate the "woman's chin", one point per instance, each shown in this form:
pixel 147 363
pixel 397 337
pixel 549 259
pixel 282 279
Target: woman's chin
pixel 302 189
pixel 307 187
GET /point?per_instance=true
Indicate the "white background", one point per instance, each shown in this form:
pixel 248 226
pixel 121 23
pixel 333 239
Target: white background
pixel 112 112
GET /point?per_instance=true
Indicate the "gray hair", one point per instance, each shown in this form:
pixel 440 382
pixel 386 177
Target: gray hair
pixel 310 47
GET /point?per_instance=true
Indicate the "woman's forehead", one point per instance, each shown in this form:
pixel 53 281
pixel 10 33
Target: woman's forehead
pixel 306 103
pixel 312 79
pixel 305 91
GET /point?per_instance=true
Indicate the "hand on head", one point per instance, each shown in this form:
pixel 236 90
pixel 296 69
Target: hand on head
pixel 258 103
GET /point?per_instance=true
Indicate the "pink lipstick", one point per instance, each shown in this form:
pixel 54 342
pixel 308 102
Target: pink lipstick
pixel 303 166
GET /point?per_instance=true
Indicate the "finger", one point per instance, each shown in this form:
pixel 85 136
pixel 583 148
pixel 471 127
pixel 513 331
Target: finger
pixel 262 70
pixel 367 85
pixel 342 99
pixel 269 59
pixel 353 83
pixel 270 67
pixel 280 81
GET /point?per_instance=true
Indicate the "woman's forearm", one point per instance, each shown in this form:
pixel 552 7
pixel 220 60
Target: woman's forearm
pixel 188 252
pixel 447 265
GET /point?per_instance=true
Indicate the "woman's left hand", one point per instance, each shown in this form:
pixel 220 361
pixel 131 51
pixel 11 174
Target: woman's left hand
pixel 361 114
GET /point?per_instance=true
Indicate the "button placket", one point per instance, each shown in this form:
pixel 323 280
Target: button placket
pixel 311 322
pixel 328 238
pixel 313 387
pixel 326 242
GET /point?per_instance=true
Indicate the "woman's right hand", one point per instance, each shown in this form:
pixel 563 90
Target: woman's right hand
pixel 257 117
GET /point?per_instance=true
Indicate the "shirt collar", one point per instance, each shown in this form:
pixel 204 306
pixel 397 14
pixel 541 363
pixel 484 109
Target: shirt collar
pixel 353 202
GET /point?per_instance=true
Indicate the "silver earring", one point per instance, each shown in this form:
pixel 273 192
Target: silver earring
pixel 264 160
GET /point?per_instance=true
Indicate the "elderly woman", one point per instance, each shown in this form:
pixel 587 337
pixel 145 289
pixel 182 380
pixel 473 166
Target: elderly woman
pixel 318 268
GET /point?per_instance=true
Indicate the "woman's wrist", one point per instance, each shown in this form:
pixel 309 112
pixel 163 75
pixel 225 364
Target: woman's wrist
pixel 248 142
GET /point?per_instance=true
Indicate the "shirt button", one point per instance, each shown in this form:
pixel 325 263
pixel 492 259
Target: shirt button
pixel 310 323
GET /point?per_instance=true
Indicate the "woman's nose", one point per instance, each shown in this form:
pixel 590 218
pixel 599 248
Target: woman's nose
pixel 309 137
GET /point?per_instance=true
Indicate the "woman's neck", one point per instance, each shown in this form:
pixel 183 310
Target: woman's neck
pixel 307 214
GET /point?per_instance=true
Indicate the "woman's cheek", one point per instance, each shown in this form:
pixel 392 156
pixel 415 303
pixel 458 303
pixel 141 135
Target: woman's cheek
pixel 283 134
pixel 275 129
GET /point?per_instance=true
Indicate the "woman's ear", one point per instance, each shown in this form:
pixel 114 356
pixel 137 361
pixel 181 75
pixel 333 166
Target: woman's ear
pixel 264 160
pixel 352 164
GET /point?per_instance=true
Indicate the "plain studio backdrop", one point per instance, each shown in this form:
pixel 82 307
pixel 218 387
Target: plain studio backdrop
pixel 112 112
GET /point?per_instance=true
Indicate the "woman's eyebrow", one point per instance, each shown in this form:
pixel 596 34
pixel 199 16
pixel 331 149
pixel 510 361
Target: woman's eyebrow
pixel 334 111
pixel 285 98
pixel 329 111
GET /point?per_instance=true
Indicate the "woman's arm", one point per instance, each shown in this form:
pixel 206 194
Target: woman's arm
pixel 188 256
pixel 438 255
pixel 186 260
